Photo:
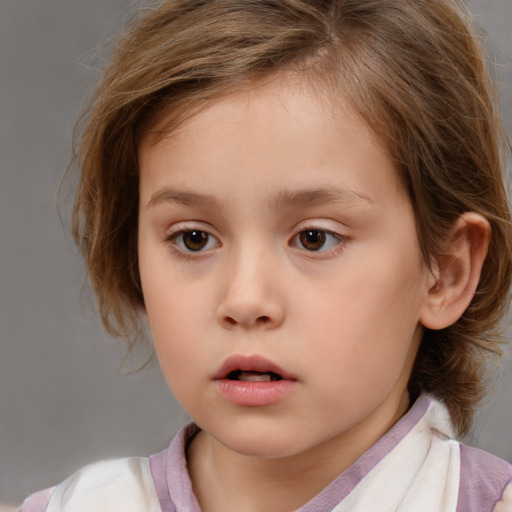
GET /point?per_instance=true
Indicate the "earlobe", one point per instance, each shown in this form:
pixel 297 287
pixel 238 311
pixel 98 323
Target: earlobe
pixel 454 280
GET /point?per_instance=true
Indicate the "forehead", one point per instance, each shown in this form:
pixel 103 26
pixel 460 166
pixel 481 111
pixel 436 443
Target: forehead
pixel 285 124
pixel 300 94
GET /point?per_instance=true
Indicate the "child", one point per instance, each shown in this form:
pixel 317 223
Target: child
pixel 304 201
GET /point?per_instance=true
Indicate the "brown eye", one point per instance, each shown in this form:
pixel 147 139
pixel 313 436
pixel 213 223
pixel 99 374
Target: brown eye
pixel 195 240
pixel 312 239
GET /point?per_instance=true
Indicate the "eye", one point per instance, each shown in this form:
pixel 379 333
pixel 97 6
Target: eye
pixel 194 240
pixel 316 240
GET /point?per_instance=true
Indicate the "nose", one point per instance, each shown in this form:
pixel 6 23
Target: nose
pixel 251 297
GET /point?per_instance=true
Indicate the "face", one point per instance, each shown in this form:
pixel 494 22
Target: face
pixel 281 271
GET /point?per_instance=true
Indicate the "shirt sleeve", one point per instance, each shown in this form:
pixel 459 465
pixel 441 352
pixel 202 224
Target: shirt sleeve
pixel 37 502
pixel 108 486
pixel 505 504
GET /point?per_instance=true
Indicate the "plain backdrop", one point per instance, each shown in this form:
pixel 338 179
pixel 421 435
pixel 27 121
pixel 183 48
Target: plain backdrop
pixel 65 396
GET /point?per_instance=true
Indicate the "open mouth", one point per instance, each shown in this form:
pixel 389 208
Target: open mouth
pixel 253 381
pixel 253 376
pixel 251 368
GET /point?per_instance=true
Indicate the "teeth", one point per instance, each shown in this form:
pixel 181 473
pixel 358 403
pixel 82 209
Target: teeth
pixel 254 377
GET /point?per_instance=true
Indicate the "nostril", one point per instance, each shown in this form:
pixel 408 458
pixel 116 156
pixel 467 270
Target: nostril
pixel 261 320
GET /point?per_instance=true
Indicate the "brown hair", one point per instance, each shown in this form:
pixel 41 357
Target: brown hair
pixel 411 68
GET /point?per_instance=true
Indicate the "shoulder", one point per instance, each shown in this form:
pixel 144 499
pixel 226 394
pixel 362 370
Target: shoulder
pixel 107 486
pixel 485 482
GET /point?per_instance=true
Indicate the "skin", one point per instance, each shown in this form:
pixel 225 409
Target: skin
pixel 345 320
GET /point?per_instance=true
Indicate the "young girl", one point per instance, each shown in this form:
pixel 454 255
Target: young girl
pixel 304 201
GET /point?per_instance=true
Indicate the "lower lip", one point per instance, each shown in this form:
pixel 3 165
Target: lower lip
pixel 254 394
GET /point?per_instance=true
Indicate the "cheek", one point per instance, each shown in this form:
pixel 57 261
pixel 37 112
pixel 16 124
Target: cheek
pixel 383 302
pixel 171 318
pixel 175 346
pixel 165 311
pixel 167 307
pixel 365 324
pixel 177 321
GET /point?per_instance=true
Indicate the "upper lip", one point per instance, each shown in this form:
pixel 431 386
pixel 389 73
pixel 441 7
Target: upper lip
pixel 250 363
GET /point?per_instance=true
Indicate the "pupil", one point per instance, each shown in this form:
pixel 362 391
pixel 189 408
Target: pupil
pixel 312 239
pixel 195 240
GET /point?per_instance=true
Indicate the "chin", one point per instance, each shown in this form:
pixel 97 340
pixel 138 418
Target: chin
pixel 264 448
pixel 258 441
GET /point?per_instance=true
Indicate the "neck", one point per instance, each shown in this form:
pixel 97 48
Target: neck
pixel 224 480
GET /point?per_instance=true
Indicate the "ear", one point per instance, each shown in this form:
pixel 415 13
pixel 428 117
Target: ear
pixel 454 280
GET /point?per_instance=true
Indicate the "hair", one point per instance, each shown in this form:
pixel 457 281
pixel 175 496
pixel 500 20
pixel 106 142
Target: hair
pixel 412 69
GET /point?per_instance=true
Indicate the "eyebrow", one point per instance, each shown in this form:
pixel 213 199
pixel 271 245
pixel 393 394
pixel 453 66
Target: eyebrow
pixel 283 199
pixel 320 197
pixel 168 195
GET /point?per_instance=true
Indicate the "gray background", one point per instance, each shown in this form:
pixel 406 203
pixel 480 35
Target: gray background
pixel 64 397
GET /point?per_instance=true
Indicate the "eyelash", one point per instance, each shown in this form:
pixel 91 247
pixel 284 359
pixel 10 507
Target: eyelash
pixel 172 240
pixel 340 240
